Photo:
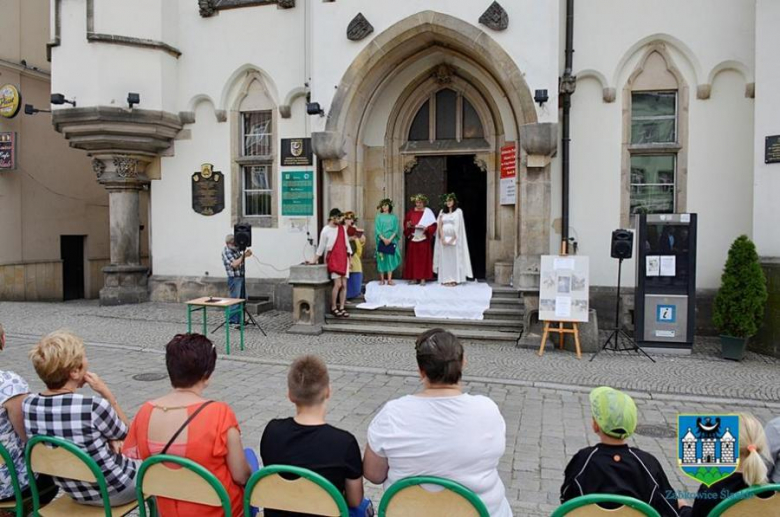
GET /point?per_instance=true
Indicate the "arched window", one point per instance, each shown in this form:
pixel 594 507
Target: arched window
pixel 446 115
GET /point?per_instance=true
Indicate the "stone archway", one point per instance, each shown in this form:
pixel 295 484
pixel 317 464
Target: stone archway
pixel 388 55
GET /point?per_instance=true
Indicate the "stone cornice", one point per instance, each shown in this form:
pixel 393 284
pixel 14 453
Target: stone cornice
pixel 111 130
pixel 26 70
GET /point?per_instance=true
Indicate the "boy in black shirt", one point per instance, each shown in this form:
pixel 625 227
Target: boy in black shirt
pixel 307 441
pixel 612 467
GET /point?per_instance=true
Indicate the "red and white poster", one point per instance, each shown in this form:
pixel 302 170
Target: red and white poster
pixel 508 185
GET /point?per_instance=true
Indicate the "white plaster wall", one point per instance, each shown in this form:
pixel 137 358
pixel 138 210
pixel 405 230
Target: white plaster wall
pixel 766 212
pixel 531 39
pixel 699 37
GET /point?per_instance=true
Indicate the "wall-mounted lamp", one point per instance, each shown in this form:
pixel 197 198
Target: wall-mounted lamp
pixel 58 98
pixel 29 109
pixel 540 96
pixel 314 108
pixel 133 99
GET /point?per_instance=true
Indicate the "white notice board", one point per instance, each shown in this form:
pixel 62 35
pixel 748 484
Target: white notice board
pixel 564 287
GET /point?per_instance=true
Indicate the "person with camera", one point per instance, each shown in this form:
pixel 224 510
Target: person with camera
pixel 234 262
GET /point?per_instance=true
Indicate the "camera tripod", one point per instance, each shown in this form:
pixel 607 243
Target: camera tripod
pixel 619 340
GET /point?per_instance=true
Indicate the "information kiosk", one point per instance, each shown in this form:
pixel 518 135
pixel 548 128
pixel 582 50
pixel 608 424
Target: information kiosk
pixel 665 304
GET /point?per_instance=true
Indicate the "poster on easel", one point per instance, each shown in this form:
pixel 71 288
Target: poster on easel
pixel 564 288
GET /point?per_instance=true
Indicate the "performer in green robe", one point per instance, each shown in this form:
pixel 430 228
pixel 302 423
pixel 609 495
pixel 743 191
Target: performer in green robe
pixel 386 229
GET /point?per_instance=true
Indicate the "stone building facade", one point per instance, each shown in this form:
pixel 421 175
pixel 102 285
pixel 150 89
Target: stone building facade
pixel 670 106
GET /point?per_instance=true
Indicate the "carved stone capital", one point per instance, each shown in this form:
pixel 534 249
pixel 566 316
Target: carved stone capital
pixel 480 163
pixel 495 17
pixel 121 171
pixel 540 138
pixel 359 28
pixel 286 4
pixel 328 145
pixel 410 164
pixel 126 166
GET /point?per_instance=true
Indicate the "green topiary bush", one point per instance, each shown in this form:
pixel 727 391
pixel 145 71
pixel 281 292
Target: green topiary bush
pixel 739 305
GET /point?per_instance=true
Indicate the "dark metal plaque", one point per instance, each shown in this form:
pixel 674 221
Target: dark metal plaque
pixel 296 151
pixel 208 190
pixel 772 149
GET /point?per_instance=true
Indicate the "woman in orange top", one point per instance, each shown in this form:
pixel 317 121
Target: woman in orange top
pixel 211 438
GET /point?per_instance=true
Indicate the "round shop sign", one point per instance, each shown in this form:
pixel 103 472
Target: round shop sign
pixel 10 101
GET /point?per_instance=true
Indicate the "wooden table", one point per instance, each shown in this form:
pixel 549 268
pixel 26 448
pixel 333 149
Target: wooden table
pixel 227 304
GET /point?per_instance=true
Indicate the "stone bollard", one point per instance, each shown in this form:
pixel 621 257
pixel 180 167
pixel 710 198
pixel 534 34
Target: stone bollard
pixel 311 288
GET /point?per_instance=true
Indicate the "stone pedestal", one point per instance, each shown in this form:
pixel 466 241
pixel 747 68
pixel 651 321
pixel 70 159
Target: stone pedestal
pixel 503 273
pixel 311 288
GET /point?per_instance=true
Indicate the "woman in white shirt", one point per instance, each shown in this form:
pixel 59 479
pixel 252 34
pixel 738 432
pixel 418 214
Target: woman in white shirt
pixel 451 260
pixel 334 246
pixel 440 431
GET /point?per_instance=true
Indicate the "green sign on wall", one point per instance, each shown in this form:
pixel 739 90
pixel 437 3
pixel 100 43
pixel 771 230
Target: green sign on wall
pixel 297 193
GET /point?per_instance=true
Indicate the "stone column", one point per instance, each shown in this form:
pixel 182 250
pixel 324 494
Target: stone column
pixel 122 143
pixel 125 279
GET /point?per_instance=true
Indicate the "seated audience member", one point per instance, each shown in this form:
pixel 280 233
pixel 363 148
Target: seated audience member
pixel 772 431
pixel 612 467
pixel 752 469
pixel 440 431
pixel 184 423
pixel 13 389
pixel 305 440
pixel 95 423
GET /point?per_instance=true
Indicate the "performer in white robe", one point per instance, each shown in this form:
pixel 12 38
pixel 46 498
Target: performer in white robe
pixel 451 260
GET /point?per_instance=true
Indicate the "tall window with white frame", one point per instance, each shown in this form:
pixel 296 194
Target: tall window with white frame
pixel 257 163
pixel 653 152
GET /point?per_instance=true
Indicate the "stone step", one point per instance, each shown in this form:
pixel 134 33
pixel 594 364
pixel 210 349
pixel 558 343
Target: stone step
pixel 369 318
pixel 504 291
pixel 498 313
pixel 411 332
pixel 259 304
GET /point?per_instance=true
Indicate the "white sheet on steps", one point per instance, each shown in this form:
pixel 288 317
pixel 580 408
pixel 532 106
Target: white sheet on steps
pixel 467 301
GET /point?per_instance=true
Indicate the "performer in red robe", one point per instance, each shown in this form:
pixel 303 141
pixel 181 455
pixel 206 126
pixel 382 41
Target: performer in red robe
pixel 419 229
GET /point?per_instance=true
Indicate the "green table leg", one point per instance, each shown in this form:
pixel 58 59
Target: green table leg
pixel 205 329
pixel 227 330
pixel 189 319
pixel 242 326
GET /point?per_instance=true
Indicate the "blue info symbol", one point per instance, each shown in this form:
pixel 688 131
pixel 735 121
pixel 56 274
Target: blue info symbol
pixel 666 314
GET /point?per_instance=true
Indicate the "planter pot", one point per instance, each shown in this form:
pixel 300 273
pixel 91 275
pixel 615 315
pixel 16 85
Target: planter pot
pixel 733 348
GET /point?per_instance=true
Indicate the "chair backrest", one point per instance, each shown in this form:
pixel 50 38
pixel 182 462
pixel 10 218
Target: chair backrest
pixel 5 459
pixel 63 459
pixel 407 497
pixel 308 492
pixel 588 506
pixel 749 503
pixel 190 482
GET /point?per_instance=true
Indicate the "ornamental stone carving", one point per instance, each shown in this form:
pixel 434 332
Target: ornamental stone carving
pixel 443 74
pixel 207 7
pixel 480 163
pixel 286 4
pixel 126 167
pixel 98 167
pixel 495 17
pixel 359 28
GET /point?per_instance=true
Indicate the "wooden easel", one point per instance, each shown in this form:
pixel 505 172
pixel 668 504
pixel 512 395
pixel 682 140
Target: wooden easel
pixel 561 330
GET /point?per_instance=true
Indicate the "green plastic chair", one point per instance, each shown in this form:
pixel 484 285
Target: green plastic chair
pixel 66 460
pixel 16 506
pixel 307 493
pixel 588 506
pixel 745 503
pixel 191 483
pixel 406 497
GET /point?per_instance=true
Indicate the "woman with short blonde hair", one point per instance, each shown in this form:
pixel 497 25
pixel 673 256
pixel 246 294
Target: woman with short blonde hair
pixel 94 423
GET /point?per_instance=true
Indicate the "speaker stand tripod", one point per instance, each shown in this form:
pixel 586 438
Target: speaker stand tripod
pixel 618 340
pixel 248 318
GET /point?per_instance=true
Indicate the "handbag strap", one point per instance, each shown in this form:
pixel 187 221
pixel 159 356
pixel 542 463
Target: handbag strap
pixel 184 425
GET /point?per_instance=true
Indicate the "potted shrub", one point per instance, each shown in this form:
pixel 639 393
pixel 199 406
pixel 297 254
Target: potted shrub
pixel 739 305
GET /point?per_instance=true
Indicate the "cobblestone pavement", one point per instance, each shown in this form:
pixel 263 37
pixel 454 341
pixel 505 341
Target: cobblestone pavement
pixel 545 427
pixel 150 326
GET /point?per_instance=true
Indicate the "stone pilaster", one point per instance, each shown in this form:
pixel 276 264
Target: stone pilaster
pixel 122 143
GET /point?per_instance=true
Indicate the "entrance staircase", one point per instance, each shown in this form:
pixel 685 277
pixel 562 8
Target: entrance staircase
pixel 503 321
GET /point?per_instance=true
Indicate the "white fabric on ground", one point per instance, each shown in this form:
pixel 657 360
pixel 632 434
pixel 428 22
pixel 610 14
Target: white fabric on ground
pixel 466 301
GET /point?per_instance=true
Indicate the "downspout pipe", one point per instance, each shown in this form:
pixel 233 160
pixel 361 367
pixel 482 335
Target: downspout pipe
pixel 568 85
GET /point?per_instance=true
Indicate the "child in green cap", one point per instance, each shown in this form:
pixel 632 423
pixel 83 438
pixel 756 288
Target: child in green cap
pixel 612 467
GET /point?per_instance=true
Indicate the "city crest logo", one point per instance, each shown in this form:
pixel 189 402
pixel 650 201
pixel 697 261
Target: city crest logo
pixel 708 446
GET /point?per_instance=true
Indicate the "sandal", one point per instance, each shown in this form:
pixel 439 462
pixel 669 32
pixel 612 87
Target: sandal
pixel 337 312
pixel 344 313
